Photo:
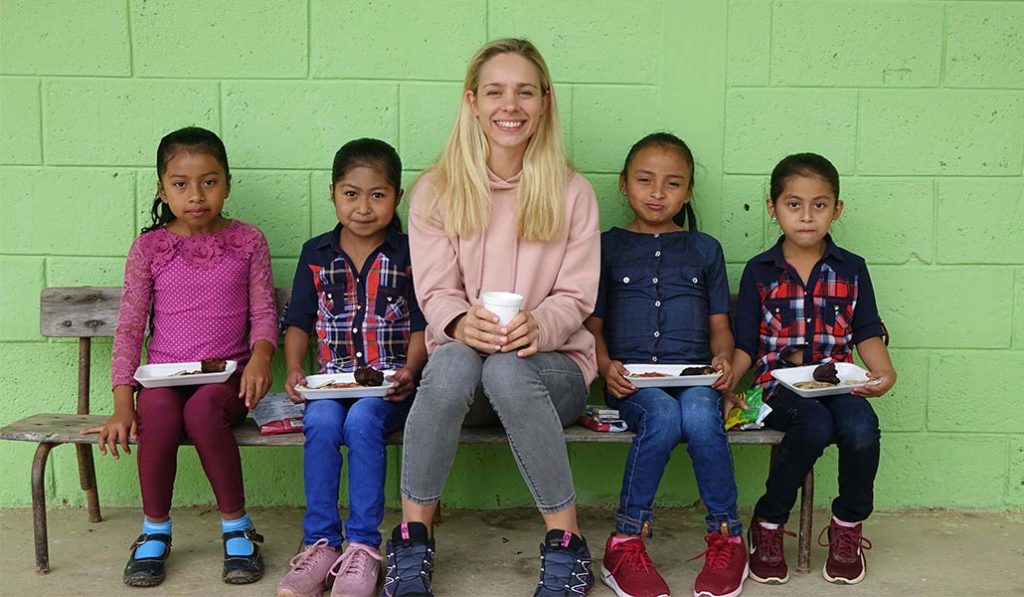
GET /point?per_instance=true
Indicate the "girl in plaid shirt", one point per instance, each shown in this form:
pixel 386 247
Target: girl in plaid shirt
pixel 806 301
pixel 353 291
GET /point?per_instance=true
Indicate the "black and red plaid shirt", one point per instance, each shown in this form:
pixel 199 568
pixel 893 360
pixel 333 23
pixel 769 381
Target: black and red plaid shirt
pixel 777 315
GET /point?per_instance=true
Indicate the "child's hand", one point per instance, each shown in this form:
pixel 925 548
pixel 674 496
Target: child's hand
pixel 521 333
pixel 256 380
pixel 405 383
pixel 730 401
pixel 725 382
pixel 615 380
pixel 121 427
pixel 295 377
pixel 479 330
pixel 884 380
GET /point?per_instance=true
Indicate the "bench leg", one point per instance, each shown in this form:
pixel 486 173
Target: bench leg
pixel 87 478
pixel 39 508
pixel 803 562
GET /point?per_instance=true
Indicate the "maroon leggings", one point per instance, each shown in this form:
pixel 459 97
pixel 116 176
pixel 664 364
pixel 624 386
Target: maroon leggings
pixel 205 415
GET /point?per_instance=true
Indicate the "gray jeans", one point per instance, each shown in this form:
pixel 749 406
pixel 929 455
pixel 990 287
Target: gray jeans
pixel 532 398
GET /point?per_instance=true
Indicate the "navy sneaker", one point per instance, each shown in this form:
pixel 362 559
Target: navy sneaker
pixel 410 562
pixel 564 566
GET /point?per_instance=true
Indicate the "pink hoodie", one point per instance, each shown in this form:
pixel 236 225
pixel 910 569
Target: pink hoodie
pixel 558 279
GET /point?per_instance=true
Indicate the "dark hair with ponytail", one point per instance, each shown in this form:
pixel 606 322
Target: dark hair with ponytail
pixel 686 218
pixel 803 164
pixel 372 153
pixel 191 138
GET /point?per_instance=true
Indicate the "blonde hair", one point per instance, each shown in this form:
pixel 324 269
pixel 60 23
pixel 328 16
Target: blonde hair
pixel 460 174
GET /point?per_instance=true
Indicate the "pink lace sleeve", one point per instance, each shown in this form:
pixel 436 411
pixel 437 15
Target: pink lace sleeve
pixel 136 300
pixel 262 304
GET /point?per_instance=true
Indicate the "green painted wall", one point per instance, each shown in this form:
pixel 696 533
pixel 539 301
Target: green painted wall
pixel 919 103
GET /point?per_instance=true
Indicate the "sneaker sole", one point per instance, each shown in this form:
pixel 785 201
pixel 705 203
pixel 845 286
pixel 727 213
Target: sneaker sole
pixel 838 580
pixel 771 580
pixel 608 579
pixel 739 589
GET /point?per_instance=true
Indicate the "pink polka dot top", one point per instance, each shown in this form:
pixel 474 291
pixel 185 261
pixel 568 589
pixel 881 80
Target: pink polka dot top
pixel 211 296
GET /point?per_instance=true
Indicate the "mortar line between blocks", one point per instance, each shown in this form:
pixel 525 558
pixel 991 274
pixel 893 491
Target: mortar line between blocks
pixel 487 20
pixel 131 41
pixel 771 39
pixel 309 39
pixel 42 127
pixel 856 135
pixel 945 41
pixel 398 117
pixel 935 221
pixel 220 108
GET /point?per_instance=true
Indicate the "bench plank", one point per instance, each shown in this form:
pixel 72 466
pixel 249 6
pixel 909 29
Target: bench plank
pixel 66 429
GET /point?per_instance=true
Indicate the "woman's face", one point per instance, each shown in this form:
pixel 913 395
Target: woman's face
pixel 508 102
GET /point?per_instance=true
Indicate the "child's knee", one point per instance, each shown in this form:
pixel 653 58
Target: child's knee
pixel 323 420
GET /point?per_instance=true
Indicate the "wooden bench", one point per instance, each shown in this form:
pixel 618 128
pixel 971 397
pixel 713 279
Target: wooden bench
pixel 90 312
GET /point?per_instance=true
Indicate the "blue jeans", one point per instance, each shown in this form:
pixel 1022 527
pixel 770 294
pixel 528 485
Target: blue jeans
pixel 662 418
pixel 811 424
pixel 363 426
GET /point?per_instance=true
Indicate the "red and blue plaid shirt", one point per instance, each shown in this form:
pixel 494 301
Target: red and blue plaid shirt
pixel 359 317
pixel 778 315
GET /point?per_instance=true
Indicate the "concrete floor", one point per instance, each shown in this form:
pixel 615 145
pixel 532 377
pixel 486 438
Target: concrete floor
pixel 915 553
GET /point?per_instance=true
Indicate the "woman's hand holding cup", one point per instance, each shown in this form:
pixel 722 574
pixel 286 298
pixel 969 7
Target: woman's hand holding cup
pixel 480 329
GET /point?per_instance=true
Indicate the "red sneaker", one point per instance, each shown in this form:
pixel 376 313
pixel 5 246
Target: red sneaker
pixel 629 571
pixel 725 567
pixel 846 564
pixel 767 560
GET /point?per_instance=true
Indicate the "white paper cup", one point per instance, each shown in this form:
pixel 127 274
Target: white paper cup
pixel 503 304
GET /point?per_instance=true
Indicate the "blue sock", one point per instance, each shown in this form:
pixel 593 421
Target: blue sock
pixel 237 546
pixel 153 549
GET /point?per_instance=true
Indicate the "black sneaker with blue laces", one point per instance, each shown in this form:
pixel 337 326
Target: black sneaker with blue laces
pixel 410 562
pixel 564 566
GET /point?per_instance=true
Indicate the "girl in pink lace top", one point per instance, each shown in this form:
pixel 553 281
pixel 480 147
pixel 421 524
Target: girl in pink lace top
pixel 204 286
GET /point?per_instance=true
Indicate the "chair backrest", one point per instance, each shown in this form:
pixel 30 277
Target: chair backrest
pixel 91 311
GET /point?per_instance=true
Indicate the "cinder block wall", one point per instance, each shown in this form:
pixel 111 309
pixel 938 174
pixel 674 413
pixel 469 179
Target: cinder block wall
pixel 919 103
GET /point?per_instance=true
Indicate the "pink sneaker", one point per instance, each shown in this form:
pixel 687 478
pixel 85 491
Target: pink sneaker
pixel 309 568
pixel 356 571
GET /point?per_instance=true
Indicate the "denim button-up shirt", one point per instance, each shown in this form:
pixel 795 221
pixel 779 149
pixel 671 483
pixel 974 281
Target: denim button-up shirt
pixel 657 292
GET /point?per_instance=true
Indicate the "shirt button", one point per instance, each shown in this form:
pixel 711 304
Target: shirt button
pixel 695 280
pixel 657 303
pixel 656 235
pixel 654 359
pixel 359 354
pixel 655 280
pixel 657 334
pixel 329 295
pixel 355 330
pixel 808 320
pixel 358 307
pixel 776 309
pixel 389 299
pixel 625 280
pixel 657 253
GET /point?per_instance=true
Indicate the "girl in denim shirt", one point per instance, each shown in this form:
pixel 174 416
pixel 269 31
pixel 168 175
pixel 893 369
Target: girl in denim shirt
pixel 664 299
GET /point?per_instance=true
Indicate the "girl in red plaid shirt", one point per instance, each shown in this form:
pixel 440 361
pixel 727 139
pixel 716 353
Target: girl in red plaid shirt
pixel 806 301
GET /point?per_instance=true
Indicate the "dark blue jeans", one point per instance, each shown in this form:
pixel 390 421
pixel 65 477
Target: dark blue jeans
pixel 662 418
pixel 363 426
pixel 811 424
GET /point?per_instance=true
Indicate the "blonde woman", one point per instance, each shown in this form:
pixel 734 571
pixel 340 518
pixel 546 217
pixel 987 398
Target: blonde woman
pixel 501 210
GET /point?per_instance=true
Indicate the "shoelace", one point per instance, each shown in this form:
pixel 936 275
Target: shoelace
pixel 719 552
pixel 303 561
pixel 405 564
pixel 768 542
pixel 562 582
pixel 843 542
pixel 354 561
pixel 634 556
